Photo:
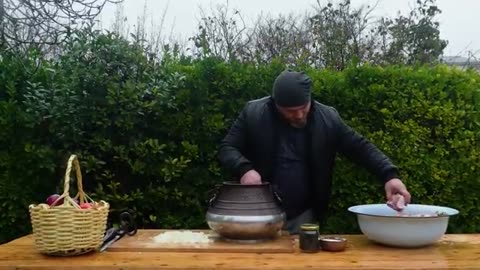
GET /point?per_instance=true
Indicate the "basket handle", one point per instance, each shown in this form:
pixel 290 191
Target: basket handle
pixel 73 161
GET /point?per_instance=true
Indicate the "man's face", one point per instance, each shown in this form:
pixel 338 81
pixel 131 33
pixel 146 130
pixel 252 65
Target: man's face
pixel 295 116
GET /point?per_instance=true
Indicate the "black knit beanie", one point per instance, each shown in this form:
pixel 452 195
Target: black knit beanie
pixel 292 89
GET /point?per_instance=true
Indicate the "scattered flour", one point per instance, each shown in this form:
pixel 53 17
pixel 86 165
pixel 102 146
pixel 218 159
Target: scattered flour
pixel 182 237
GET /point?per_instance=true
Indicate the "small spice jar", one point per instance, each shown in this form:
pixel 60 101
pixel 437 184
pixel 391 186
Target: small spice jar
pixel 309 238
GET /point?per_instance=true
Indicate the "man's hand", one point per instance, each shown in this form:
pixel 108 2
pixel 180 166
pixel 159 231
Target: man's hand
pixel 251 178
pixel 397 194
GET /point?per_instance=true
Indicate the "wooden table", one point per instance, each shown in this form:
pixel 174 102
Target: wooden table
pixel 453 251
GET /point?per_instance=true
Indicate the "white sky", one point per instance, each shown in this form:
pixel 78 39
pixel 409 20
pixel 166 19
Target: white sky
pixel 459 20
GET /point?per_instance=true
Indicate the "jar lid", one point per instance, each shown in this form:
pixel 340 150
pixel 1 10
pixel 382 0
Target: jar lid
pixel 309 227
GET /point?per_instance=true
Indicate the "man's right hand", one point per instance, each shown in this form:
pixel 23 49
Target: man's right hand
pixel 251 177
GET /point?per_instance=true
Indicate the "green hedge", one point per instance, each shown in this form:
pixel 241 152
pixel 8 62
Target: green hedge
pixel 146 131
pixel 426 119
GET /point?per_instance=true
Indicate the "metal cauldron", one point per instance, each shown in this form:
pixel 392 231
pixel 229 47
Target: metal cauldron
pixel 246 212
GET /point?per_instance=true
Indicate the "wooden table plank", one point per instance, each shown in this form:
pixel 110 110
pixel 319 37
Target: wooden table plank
pixel 452 252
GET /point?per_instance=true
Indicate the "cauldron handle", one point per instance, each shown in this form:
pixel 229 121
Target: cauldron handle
pixel 213 191
pixel 275 192
pixel 279 199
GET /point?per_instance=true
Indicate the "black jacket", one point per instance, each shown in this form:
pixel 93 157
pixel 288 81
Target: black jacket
pixel 251 143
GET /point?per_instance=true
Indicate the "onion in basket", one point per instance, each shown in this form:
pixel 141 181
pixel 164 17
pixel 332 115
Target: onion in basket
pixel 53 200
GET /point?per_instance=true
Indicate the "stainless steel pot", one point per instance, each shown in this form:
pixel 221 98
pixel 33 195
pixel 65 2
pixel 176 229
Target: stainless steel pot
pixel 248 213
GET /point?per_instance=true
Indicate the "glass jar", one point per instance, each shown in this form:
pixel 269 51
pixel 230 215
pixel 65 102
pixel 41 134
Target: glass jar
pixel 309 238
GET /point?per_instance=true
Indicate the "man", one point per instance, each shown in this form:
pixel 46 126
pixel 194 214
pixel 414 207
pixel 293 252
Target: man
pixel 291 141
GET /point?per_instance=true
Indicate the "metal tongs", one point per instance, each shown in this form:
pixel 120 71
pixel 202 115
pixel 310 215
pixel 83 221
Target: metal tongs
pixel 127 226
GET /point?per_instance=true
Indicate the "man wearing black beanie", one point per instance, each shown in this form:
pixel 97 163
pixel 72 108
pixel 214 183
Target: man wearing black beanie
pixel 291 141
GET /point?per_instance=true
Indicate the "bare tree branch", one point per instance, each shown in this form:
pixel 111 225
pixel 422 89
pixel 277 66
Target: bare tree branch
pixel 37 22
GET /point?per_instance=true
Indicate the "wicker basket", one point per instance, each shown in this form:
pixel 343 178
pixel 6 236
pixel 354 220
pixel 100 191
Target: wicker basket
pixel 67 229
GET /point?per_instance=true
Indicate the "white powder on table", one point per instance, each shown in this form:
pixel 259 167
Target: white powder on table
pixel 182 237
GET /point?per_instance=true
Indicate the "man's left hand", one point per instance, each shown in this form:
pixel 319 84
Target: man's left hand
pixel 396 191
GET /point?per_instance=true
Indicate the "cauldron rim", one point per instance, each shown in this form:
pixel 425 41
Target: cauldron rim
pixel 237 183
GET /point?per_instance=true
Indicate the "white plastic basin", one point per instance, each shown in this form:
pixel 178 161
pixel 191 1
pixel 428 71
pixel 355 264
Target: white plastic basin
pixel 381 224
